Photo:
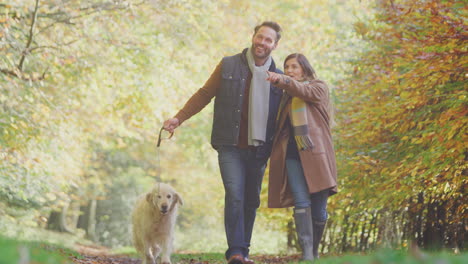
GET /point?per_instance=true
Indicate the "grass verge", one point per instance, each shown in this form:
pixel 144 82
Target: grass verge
pixel 16 251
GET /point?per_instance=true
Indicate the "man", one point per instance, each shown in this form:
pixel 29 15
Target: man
pixel 245 111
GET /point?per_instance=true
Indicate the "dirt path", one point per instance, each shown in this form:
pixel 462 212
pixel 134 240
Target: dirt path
pixel 102 255
pixel 105 260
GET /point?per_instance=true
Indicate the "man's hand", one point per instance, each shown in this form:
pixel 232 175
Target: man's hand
pixel 171 124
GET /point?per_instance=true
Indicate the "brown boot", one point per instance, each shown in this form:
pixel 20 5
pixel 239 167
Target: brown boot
pixel 236 259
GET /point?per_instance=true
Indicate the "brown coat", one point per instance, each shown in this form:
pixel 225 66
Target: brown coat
pixel 319 164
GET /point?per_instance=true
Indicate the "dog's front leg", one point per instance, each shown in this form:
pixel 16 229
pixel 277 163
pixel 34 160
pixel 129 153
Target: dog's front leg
pixel 151 254
pixel 148 259
pixel 156 252
pixel 166 251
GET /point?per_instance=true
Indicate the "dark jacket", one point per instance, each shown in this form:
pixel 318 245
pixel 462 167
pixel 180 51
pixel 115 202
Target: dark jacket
pixel 229 100
pixel 227 84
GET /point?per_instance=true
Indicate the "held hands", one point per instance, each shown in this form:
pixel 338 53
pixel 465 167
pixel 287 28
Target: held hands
pixel 171 124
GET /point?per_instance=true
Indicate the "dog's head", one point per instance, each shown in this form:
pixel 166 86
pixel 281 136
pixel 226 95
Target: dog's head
pixel 164 198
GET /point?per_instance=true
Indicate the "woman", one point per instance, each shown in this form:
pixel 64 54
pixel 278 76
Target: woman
pixel 302 164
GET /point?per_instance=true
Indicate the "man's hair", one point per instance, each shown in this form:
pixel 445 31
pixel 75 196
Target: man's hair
pixel 272 25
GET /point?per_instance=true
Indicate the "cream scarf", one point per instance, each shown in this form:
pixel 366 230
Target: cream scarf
pixel 259 101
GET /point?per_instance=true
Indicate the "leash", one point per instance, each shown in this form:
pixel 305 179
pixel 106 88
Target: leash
pixel 158 154
pixel 159 137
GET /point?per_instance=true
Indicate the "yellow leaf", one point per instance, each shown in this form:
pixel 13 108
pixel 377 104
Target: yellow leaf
pixel 23 124
pixel 404 95
pixel 51 196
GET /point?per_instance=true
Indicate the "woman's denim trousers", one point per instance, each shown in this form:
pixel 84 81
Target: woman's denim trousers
pixel 302 198
pixel 242 174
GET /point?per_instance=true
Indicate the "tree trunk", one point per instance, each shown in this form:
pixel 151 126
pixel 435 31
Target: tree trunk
pixel 362 242
pixel 433 233
pixel 375 229
pixel 419 216
pixel 87 220
pixel 58 220
pixel 345 233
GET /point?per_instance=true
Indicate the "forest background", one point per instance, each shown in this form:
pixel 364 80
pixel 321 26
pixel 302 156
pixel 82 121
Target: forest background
pixel 85 86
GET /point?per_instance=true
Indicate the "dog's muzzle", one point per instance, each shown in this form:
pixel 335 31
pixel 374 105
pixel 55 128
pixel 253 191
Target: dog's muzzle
pixel 164 209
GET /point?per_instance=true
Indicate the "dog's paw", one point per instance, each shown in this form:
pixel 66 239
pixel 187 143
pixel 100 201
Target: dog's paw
pixel 166 262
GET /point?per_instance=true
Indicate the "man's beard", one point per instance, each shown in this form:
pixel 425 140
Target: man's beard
pixel 266 52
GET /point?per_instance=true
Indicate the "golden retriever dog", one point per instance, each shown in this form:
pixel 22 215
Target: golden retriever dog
pixel 153 220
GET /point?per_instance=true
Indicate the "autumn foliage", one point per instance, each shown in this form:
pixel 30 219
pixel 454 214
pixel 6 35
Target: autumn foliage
pixel 402 137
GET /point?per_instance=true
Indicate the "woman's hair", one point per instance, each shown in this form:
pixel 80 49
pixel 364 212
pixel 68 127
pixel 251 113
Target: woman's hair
pixel 309 72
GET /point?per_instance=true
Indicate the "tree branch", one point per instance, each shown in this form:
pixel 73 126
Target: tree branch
pixel 30 38
pixel 16 73
pixel 56 47
pixel 20 75
pixel 62 17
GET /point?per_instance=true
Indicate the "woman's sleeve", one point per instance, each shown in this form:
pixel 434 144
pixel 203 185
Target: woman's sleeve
pixel 314 91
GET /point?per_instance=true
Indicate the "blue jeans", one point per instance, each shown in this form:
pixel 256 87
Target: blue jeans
pixel 302 198
pixel 242 174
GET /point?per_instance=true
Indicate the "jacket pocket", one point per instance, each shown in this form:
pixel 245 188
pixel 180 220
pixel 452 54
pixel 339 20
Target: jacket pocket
pixel 230 86
pixel 316 134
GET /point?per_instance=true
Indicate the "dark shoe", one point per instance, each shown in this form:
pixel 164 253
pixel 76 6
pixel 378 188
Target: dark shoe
pixel 248 261
pixel 236 259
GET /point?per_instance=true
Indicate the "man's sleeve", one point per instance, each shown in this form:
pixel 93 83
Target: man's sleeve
pixel 202 97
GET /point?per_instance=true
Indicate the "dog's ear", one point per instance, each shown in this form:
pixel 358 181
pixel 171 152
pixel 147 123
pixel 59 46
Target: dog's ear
pixel 149 197
pixel 179 199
